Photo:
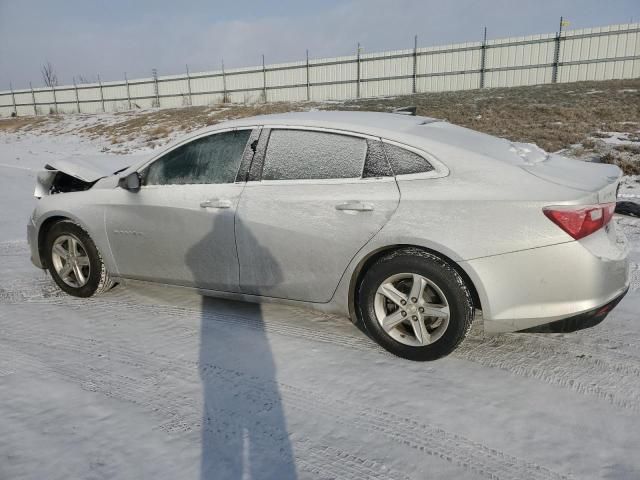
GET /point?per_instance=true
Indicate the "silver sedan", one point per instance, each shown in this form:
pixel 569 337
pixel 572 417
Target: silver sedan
pixel 406 224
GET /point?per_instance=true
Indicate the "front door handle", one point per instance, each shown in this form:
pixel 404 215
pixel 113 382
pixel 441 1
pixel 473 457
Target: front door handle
pixel 216 203
pixel 355 206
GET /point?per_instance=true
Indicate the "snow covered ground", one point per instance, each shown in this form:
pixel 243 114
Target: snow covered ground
pixel 151 382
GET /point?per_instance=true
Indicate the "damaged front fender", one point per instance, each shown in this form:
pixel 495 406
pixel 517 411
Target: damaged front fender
pixel 50 182
pixel 77 174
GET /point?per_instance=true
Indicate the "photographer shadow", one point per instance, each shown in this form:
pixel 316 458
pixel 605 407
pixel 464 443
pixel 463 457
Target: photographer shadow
pixel 244 430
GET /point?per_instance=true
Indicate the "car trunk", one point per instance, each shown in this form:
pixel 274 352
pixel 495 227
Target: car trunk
pixel 601 179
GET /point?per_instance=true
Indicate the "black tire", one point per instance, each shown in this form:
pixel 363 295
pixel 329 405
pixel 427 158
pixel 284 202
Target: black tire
pixel 98 280
pixel 441 273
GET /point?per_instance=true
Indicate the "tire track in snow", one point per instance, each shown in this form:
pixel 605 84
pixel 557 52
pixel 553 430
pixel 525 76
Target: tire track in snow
pixel 147 393
pixel 270 325
pixel 14 248
pixel 585 370
pixel 543 358
pixel 616 341
pixel 531 357
pixel 427 439
pixel 634 277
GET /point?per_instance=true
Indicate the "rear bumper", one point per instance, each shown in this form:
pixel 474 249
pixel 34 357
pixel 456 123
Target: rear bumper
pixel 579 322
pixel 541 286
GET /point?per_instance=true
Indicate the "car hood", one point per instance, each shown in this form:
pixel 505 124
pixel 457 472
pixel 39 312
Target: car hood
pixel 78 173
pixel 93 167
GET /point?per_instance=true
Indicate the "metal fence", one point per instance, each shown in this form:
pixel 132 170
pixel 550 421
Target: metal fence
pixel 610 52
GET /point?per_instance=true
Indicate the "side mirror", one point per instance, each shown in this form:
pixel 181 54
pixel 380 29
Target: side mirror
pixel 131 182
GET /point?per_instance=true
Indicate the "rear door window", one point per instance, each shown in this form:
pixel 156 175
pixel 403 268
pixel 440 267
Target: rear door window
pixel 307 155
pixel 404 162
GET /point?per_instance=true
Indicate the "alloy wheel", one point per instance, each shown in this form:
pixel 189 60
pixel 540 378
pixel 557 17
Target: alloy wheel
pixel 71 261
pixel 412 309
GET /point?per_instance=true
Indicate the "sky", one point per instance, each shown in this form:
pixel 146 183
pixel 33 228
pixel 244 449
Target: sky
pixel 90 37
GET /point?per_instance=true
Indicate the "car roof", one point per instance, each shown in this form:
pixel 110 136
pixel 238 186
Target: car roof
pixel 368 123
pixel 355 121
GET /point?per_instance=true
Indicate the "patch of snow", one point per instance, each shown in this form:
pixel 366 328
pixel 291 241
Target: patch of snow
pixel 617 138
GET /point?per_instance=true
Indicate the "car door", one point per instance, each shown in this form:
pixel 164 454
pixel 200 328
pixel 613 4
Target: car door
pixel 179 227
pixel 308 209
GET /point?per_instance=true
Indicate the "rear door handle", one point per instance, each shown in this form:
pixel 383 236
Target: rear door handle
pixel 355 206
pixel 216 203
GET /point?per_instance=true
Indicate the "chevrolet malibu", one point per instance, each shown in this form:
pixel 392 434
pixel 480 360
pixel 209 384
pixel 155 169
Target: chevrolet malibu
pixel 408 225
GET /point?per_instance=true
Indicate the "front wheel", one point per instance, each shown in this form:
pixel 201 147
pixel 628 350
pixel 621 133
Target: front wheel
pixel 415 305
pixel 74 261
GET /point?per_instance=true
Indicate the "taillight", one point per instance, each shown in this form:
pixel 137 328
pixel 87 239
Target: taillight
pixel 581 220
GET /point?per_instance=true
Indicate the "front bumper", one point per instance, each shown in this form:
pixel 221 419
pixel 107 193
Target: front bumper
pixel 32 238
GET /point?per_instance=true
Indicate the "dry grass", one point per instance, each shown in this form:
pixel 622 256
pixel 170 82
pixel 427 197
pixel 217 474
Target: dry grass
pixel 15 124
pixel 628 148
pixel 629 167
pixel 553 116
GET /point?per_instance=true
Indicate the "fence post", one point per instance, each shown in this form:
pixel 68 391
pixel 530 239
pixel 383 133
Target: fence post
pixel 264 80
pixel 308 84
pixel 154 74
pixel 55 100
pixel 13 99
pixel 126 81
pixel 415 64
pixel 33 99
pixel 101 95
pixel 75 87
pixel 189 85
pixel 224 85
pixel 358 72
pixel 483 57
pixel 556 54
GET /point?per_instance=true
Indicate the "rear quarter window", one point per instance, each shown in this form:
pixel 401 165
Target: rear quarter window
pixel 404 162
pixel 376 164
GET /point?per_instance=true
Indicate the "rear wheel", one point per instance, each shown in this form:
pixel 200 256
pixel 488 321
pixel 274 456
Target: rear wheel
pixel 74 261
pixel 415 305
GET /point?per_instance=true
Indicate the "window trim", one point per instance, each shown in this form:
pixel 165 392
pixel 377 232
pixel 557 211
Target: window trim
pixel 318 181
pixel 172 148
pixel 439 169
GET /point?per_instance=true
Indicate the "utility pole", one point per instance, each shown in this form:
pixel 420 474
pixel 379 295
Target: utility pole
pixel 101 94
pixel 33 100
pixel 224 85
pixel 13 99
pixel 415 64
pixel 75 88
pixel 264 80
pixel 154 74
pixel 556 53
pixel 358 72
pixel 308 83
pixel 55 100
pixel 483 57
pixel 189 85
pixel 126 82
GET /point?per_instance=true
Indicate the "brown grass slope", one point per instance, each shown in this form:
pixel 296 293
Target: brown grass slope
pixel 569 116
